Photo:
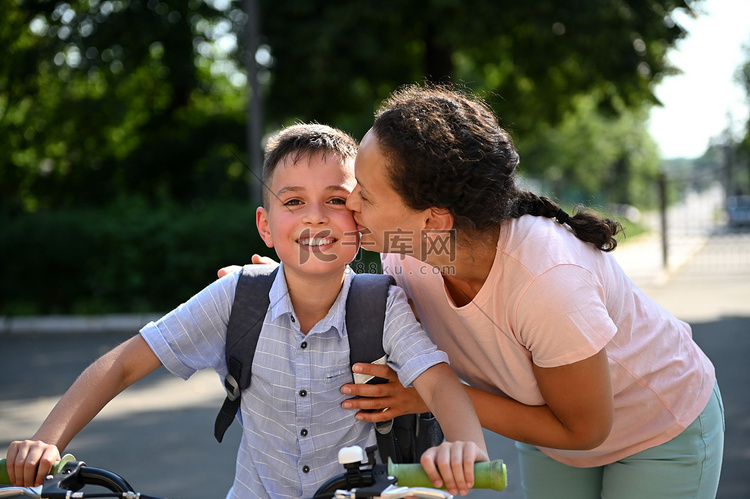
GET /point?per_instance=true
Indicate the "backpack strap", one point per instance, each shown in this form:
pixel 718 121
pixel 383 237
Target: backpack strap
pixel 365 316
pixel 251 302
pixel 404 438
pixel 365 323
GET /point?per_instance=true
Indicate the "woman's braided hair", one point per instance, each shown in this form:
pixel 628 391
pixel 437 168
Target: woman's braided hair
pixel 445 149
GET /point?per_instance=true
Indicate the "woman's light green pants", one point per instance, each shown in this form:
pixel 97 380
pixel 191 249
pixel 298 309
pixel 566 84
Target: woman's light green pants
pixel 686 467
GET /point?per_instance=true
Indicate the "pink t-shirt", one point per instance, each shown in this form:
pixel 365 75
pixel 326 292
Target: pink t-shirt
pixel 552 300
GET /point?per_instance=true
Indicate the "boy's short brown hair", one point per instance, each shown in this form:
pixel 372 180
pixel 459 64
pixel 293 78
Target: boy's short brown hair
pixel 305 139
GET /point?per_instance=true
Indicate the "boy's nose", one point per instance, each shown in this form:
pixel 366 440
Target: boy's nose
pixel 315 214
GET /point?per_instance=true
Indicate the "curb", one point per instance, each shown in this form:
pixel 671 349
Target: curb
pixel 66 324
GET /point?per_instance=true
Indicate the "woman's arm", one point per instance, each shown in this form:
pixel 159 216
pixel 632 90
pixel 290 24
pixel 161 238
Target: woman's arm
pixel 446 398
pixel 30 460
pixel 452 463
pixel 578 412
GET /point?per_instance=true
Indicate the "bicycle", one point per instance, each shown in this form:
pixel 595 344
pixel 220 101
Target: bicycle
pixel 361 479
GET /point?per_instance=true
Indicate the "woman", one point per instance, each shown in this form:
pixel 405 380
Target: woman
pixel 604 391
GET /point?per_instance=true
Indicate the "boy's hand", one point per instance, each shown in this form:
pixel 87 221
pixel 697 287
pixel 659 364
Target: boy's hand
pixel 389 400
pixel 256 259
pixel 452 464
pixel 29 461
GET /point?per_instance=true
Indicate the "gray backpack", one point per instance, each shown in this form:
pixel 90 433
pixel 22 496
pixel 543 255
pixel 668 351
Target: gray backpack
pixel 402 439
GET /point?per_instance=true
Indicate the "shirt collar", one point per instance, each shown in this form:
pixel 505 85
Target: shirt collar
pixel 281 304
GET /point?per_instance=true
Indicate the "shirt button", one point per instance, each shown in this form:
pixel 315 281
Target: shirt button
pixel 303 393
pixel 303 345
pixel 303 432
pixel 305 469
pixel 293 319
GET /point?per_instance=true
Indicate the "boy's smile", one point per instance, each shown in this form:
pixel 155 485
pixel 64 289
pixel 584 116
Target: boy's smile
pixel 318 243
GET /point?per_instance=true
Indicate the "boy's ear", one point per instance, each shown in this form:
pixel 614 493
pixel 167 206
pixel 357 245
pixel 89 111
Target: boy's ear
pixel 439 219
pixel 261 221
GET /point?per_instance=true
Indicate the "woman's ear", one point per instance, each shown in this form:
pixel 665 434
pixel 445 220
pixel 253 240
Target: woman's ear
pixel 439 219
pixel 437 237
pixel 261 221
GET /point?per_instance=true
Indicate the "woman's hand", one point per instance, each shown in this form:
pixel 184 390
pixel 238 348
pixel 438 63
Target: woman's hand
pixel 29 461
pixel 452 464
pixel 256 259
pixel 389 400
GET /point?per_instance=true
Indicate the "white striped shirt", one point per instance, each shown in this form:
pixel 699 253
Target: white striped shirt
pixel 293 423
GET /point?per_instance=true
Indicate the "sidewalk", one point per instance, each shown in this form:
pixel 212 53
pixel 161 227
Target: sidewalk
pixel 642 259
pixel 708 277
pixel 65 324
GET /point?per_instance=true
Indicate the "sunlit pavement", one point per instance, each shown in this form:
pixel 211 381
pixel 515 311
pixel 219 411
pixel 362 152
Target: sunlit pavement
pixel 643 260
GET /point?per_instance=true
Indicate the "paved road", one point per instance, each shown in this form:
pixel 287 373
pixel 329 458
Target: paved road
pixel 158 434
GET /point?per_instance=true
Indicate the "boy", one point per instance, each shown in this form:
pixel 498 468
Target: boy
pixel 293 423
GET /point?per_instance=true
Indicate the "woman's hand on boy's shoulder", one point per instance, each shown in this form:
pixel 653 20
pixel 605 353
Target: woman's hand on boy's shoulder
pixel 225 271
pixel 256 259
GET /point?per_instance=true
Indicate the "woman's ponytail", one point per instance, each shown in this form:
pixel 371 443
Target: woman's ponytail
pixel 585 225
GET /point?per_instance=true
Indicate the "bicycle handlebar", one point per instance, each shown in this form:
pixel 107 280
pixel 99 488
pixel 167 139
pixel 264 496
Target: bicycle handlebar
pixel 487 475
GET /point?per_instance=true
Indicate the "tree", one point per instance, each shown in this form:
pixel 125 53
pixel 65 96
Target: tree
pixel 594 157
pixel 335 59
pixel 742 155
pixel 100 98
pixel 91 108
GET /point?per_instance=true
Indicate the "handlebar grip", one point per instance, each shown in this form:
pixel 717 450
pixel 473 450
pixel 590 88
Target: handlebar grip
pixel 487 475
pixel 56 468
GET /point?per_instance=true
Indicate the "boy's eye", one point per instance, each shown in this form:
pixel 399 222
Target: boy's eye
pixel 338 201
pixel 292 202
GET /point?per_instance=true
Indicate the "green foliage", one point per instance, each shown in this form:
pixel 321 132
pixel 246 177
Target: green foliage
pixel 741 185
pixel 98 99
pixel 131 257
pixel 532 58
pixel 148 97
pixel 594 157
pixel 631 230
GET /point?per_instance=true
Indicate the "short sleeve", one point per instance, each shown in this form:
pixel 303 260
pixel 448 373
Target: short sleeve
pixel 193 336
pixel 410 351
pixel 562 316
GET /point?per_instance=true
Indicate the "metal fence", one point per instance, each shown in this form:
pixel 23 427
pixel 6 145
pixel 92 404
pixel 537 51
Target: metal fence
pixel 696 231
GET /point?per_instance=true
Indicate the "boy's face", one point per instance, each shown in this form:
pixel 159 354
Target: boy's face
pixel 306 219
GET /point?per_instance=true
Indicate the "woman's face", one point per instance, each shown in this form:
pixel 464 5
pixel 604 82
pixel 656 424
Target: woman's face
pixel 386 224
